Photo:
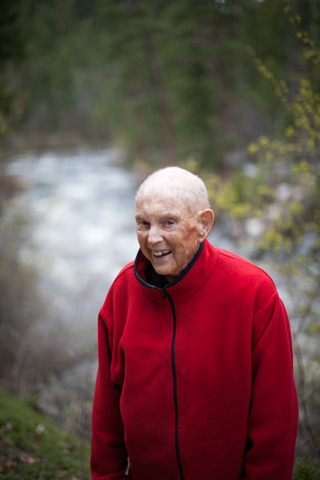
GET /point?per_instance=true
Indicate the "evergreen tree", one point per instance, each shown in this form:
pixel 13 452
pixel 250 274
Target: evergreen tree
pixel 169 80
pixel 11 49
pixel 182 73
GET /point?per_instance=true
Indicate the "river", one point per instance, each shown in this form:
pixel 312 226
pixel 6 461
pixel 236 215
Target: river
pixel 82 206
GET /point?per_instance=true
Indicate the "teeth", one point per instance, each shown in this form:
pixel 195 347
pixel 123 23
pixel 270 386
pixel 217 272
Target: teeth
pixel 159 254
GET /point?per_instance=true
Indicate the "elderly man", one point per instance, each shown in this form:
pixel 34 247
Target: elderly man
pixel 195 376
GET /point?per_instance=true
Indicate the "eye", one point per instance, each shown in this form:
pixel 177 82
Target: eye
pixel 142 224
pixel 169 222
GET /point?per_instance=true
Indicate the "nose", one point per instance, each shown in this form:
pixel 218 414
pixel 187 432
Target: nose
pixel 154 235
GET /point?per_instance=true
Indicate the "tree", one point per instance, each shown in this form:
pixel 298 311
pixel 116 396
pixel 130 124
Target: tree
pixel 11 49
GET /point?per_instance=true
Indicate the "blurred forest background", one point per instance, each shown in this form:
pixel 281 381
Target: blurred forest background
pixel 165 80
pixel 227 88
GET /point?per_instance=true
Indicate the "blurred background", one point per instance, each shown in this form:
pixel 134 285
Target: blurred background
pixel 96 95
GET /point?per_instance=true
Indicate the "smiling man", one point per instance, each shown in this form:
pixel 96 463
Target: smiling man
pixel 173 217
pixel 195 377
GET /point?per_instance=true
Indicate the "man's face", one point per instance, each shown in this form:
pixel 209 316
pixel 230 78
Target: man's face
pixel 168 234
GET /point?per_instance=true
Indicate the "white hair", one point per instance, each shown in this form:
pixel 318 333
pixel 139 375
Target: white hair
pixel 180 183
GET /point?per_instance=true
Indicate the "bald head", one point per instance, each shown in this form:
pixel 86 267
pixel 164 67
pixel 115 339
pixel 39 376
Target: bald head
pixel 179 184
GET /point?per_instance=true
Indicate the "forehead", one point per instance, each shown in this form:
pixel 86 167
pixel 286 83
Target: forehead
pixel 162 203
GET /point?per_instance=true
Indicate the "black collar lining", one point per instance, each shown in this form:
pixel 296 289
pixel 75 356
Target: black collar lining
pixel 154 280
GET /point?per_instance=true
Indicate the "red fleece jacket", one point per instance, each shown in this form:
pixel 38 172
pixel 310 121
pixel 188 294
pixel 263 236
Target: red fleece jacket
pixel 195 380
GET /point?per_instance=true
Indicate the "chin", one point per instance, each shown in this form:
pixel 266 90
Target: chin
pixel 164 272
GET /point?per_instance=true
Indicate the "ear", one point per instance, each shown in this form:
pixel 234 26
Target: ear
pixel 206 219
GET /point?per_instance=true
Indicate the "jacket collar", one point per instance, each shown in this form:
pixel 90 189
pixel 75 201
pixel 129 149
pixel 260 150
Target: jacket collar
pixel 195 275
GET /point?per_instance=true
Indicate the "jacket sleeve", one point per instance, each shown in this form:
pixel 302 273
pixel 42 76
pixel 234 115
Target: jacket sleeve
pixel 108 451
pixel 273 416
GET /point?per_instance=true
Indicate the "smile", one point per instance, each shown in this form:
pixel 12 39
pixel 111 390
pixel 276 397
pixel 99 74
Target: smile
pixel 161 254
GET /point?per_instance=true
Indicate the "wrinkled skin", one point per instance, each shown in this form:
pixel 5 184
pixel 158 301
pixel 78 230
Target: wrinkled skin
pixel 169 231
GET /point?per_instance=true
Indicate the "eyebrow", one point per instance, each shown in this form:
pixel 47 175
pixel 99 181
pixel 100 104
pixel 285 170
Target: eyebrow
pixel 168 214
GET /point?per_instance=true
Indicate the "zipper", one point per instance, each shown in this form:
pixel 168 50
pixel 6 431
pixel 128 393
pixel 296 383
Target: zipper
pixel 174 376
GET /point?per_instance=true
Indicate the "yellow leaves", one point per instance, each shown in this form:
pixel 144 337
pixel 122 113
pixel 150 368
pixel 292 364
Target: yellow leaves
pixel 296 209
pixel 253 148
pixel 278 151
pixel 312 54
pixel 286 161
pixel 305 176
pixel 305 108
pixel 265 72
pixel 298 19
pixel 272 239
pixel 263 141
pixel 261 144
pixel 306 111
pixel 309 54
pixel 265 191
pixel 297 109
pixel 302 167
pixel 314 329
pixel 192 165
pixel 227 198
pixel 289 132
pixel 305 83
pixel 241 210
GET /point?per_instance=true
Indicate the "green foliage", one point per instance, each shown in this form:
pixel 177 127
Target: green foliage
pixel 31 447
pixel 167 80
pixel 11 34
pixel 180 70
pixel 306 470
pixel 11 49
pixel 62 75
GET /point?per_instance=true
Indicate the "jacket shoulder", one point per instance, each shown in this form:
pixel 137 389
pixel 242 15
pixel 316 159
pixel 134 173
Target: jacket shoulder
pixel 125 269
pixel 124 275
pixel 242 268
pixel 119 290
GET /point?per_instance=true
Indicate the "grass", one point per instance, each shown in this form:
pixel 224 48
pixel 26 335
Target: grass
pixel 32 448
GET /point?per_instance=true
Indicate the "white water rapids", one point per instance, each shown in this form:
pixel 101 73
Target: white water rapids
pixel 82 207
pixel 84 232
